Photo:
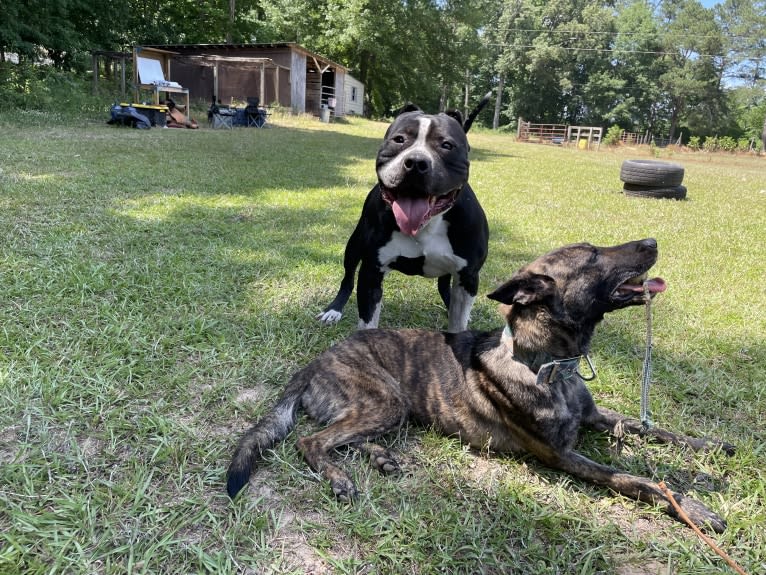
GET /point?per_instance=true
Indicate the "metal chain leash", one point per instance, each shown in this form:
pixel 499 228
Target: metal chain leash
pixel 646 376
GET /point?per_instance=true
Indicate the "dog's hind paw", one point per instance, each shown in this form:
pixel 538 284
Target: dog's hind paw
pixel 329 317
pixel 385 464
pixel 380 458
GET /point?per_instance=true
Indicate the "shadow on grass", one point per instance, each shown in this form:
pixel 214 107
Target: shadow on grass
pixel 479 154
pixel 186 220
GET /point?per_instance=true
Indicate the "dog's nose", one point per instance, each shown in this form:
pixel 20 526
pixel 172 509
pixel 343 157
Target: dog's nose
pixel 650 243
pixel 417 164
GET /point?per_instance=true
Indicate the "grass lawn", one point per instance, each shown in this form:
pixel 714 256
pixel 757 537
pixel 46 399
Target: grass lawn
pixel 157 289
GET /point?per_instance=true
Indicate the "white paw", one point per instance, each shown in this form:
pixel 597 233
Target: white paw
pixel 329 317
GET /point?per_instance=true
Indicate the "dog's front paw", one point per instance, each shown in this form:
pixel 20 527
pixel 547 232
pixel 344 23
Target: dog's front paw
pixel 329 317
pixel 700 515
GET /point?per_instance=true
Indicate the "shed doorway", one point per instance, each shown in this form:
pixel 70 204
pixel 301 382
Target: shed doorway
pixel 320 87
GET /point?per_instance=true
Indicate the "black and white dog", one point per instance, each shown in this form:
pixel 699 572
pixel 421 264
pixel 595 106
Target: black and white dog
pixel 422 218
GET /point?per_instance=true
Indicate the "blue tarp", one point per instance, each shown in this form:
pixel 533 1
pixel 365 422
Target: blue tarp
pixel 129 116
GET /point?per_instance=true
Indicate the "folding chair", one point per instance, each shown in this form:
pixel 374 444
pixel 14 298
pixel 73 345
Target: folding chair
pixel 256 116
pixel 220 116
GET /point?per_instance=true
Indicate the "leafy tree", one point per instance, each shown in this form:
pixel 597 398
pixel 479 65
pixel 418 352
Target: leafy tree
pixel 744 25
pixel 554 59
pixel 639 64
pixel 692 43
pixel 418 50
pixel 744 22
pixel 35 25
pixel 636 47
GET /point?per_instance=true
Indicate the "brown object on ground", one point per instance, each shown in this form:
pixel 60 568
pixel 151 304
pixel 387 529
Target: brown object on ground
pixel 178 120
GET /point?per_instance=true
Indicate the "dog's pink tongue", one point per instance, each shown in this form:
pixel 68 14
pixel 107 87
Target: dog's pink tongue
pixel 656 285
pixel 410 213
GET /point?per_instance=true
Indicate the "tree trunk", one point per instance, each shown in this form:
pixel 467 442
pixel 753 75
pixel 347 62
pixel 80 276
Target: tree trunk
pixel 467 91
pixel 443 100
pixel 232 11
pixel 498 102
pixel 367 60
pixel 673 123
pixel 763 135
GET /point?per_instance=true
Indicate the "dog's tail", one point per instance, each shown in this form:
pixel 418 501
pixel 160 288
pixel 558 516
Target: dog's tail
pixel 479 107
pixel 267 432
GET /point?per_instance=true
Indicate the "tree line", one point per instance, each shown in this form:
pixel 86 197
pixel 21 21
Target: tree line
pixel 667 67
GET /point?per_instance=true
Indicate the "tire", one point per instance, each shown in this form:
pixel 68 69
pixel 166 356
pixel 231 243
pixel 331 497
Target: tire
pixel 652 173
pixel 672 192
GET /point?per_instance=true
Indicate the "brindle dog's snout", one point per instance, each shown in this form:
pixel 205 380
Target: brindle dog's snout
pixel 648 243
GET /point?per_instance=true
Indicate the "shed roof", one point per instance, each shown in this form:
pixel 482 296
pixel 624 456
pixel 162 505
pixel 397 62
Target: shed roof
pixel 219 48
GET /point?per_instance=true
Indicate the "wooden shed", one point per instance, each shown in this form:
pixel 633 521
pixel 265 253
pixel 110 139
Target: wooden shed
pixel 283 73
pixel 354 96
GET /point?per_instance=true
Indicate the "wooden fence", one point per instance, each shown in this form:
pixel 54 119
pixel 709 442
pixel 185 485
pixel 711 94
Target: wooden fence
pixel 585 136
pixel 541 133
pixel 634 138
pixel 582 136
pixel 559 134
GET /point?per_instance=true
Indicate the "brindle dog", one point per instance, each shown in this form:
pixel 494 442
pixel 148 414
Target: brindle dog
pixel 510 390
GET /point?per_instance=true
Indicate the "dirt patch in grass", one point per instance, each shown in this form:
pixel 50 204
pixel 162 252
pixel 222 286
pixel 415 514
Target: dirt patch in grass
pixel 648 568
pixel 8 443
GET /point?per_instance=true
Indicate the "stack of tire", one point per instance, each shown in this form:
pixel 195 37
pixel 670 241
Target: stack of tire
pixel 652 179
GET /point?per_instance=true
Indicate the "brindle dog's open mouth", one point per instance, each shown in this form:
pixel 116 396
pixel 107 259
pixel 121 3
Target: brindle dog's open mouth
pixel 632 290
pixel 413 212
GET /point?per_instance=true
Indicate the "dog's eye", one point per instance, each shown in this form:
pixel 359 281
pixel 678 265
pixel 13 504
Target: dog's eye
pixel 399 139
pixel 448 145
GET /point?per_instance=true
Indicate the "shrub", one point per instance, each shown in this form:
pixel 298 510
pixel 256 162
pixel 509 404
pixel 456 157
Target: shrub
pixel 613 136
pixel 727 144
pixel 45 89
pixel 743 144
pixel 710 144
pixel 694 143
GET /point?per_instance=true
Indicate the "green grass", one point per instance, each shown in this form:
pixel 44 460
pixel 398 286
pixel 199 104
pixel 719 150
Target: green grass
pixel 158 288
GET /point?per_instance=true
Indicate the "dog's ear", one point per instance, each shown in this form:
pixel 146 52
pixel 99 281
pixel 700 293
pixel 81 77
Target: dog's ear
pixel 456 115
pixel 524 289
pixel 408 107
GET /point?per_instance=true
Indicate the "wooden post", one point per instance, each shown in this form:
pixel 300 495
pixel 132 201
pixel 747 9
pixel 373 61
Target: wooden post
pixel 262 94
pixel 122 76
pixel 215 83
pixel 276 86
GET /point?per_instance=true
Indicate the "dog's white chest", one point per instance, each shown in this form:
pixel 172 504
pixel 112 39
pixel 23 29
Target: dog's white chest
pixel 431 243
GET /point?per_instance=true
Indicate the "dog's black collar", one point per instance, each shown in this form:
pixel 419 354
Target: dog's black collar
pixel 563 369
